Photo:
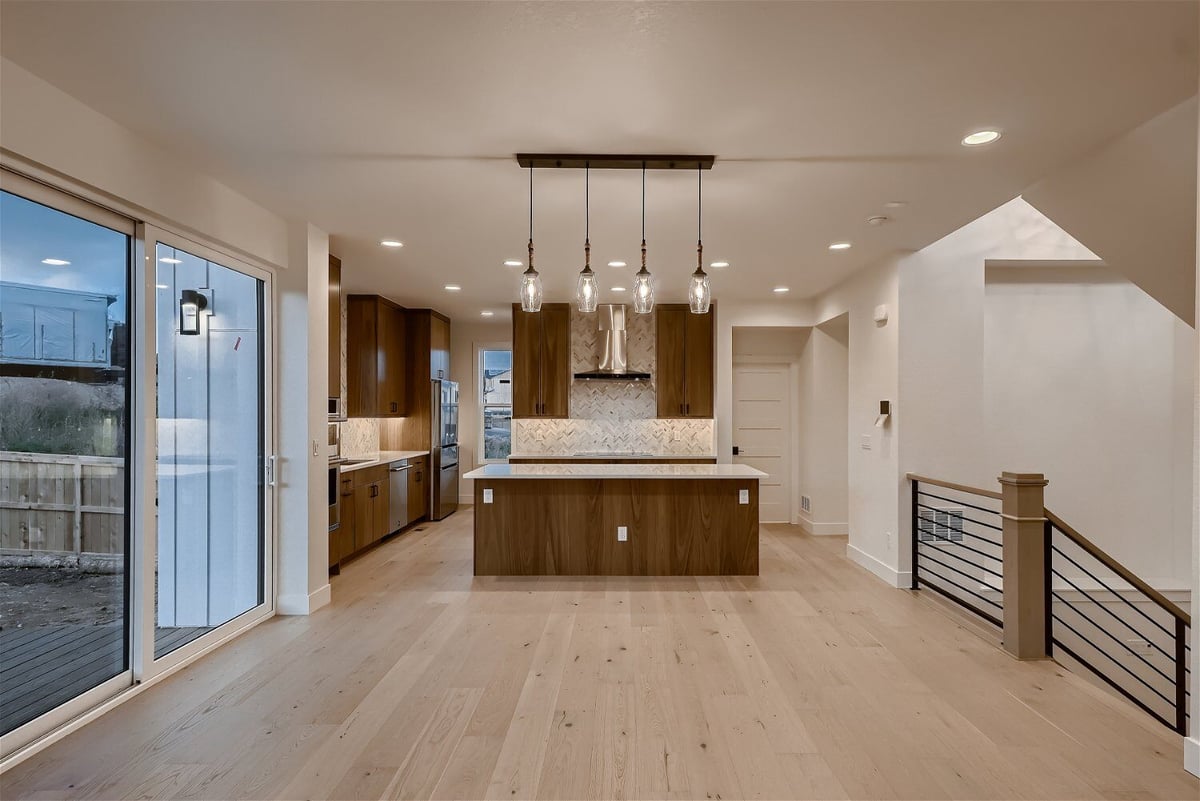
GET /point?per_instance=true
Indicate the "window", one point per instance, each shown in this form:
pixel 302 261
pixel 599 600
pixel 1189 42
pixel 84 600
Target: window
pixel 495 385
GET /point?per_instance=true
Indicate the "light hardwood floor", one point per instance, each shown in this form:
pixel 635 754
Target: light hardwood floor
pixel 813 681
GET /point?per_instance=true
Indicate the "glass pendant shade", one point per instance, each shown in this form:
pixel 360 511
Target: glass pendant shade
pixel 531 291
pixel 699 293
pixel 643 292
pixel 587 291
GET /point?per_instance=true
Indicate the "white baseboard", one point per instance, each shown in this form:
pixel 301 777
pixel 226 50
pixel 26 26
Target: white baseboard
pixel 304 604
pixel 1191 755
pixel 894 577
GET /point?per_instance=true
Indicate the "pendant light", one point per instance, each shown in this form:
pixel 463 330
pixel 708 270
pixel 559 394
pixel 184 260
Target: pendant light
pixel 531 282
pixel 699 292
pixel 587 291
pixel 643 288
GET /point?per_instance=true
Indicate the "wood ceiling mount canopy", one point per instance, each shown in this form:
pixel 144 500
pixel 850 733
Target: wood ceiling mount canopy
pixel 613 161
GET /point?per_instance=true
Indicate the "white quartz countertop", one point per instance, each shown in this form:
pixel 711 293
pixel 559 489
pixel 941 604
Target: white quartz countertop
pixel 701 471
pixel 375 459
pixel 611 455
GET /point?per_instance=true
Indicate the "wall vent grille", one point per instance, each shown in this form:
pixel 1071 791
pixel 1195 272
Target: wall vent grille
pixel 805 504
pixel 940 525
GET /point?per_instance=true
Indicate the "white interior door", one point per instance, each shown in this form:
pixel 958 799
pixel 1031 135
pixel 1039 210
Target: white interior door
pixel 762 434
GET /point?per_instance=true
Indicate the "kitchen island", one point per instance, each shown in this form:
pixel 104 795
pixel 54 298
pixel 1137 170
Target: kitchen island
pixel 616 519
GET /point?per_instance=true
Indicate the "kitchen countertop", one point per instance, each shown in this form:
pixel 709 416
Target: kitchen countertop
pixel 611 455
pixel 375 459
pixel 700 471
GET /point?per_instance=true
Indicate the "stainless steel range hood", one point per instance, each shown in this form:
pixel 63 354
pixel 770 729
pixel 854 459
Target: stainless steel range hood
pixel 613 356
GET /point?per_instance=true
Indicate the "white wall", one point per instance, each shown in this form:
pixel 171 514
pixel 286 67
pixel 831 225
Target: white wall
pixel 874 477
pixel 1132 202
pixel 1089 380
pixel 303 575
pixel 465 339
pixel 45 126
pixel 824 416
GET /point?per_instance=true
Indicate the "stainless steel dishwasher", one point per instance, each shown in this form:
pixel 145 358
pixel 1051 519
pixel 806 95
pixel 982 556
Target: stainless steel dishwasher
pixel 398 495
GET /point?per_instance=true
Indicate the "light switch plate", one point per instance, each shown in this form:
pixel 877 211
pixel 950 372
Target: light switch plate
pixel 743 496
pixel 487 496
pixel 622 534
pixel 866 442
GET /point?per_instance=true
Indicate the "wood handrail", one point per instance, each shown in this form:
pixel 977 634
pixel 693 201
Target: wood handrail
pixel 994 494
pixel 1118 568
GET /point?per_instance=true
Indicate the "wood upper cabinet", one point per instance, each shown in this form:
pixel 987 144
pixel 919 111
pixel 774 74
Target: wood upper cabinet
pixel 685 352
pixel 335 326
pixel 541 381
pixel 439 346
pixel 376 365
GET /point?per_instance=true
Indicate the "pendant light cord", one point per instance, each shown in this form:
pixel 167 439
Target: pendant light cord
pixel 530 266
pixel 643 216
pixel 699 219
pixel 587 217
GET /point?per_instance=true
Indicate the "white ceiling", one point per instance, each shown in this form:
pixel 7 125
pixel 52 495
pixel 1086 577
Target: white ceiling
pixel 400 119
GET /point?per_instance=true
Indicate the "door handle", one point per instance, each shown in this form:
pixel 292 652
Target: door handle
pixel 400 469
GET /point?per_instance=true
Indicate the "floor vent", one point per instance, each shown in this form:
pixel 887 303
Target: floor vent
pixel 940 525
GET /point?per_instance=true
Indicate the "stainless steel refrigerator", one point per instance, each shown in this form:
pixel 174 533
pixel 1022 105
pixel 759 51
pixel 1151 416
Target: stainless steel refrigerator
pixel 443 450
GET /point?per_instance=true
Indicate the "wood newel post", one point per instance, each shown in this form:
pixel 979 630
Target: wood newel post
pixel 1023 509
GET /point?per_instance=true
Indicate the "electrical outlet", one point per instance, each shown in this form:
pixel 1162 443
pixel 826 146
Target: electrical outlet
pixel 744 496
pixel 888 535
pixel 622 533
pixel 487 496
pixel 316 448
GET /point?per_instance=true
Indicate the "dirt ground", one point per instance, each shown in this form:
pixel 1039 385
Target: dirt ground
pixel 39 596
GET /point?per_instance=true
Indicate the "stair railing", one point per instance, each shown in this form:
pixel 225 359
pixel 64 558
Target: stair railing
pixel 1053 593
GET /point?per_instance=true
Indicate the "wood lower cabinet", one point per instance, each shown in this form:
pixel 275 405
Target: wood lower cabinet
pixel 370 506
pixel 418 489
pixel 376 363
pixel 685 350
pixel 541 382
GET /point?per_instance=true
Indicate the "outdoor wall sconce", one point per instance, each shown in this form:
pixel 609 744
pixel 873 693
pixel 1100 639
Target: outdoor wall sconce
pixel 191 303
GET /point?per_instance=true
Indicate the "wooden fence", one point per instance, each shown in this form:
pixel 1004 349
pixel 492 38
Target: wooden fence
pixel 61 504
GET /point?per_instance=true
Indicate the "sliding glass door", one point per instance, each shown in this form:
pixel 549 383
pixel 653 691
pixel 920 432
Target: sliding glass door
pixel 135 514
pixel 211 564
pixel 65 269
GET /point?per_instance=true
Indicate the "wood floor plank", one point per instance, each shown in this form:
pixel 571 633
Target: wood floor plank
pixel 811 680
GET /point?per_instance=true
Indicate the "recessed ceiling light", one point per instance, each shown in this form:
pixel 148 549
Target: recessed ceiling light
pixel 895 204
pixel 169 260
pixel 618 289
pixel 719 264
pixel 779 290
pixel 391 243
pixel 56 262
pixel 616 264
pixel 513 263
pixel 839 245
pixel 486 313
pixel 980 138
pixel 453 287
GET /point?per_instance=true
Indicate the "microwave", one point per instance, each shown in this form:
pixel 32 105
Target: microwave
pixel 335 409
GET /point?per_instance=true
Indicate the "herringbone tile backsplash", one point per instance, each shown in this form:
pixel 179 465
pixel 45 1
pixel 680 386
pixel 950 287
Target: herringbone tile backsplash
pixel 613 416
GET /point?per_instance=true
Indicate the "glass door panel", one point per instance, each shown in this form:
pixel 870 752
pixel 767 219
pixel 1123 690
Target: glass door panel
pixel 211 525
pixel 64 454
